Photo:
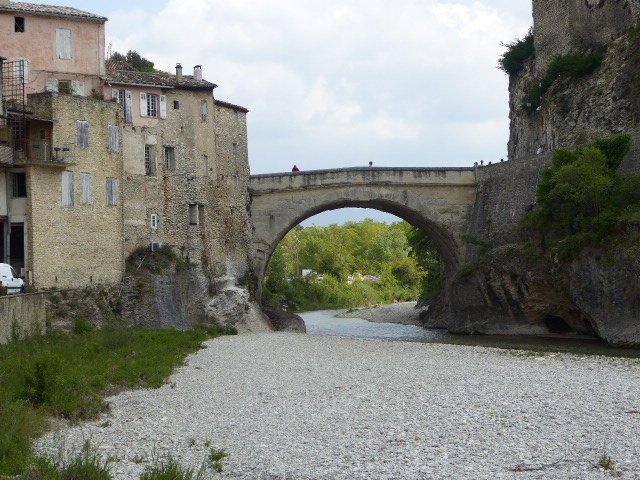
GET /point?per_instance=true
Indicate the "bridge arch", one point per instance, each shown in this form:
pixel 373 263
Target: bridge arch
pixel 438 201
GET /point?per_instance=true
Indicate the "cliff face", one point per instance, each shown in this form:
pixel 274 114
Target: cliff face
pixel 508 289
pixel 574 112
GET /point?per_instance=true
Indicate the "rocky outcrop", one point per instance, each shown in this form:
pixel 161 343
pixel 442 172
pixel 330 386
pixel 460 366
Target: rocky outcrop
pixel 606 288
pixel 514 292
pixel 285 321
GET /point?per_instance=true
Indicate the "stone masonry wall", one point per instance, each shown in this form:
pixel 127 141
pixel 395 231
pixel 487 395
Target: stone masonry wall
pixel 73 246
pixel 227 218
pixel 562 26
pixel 505 191
pixel 168 193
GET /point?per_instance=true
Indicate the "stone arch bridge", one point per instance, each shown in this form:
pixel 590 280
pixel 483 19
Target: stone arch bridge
pixel 439 201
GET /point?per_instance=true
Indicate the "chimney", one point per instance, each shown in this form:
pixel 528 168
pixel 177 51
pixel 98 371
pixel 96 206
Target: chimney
pixel 179 72
pixel 197 73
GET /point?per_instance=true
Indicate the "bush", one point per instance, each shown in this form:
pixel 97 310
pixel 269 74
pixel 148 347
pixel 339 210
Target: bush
pixel 581 200
pixel 517 54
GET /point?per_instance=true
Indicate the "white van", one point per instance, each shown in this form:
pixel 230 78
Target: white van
pixel 9 278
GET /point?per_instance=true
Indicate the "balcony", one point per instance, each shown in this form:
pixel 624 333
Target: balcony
pixel 43 154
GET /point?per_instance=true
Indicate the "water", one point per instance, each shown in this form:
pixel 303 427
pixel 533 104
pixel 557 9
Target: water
pixel 324 322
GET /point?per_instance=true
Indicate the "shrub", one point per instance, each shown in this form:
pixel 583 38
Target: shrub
pixel 517 54
pixel 574 65
pixel 581 200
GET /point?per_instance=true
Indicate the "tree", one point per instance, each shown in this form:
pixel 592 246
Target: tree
pixel 136 60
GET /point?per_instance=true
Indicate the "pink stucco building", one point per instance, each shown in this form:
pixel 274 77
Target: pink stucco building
pixel 62 47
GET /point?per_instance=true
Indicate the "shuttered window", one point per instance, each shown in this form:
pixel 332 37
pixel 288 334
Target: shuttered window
pixel 114 138
pixel 154 221
pixel 170 158
pixel 163 106
pixel 112 191
pixel 149 160
pixel 82 130
pixel 67 189
pixel 87 189
pixel 63 43
pixel 204 110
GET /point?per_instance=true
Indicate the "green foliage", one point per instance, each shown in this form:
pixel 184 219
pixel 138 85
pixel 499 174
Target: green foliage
pixel 425 251
pixel 581 200
pixel 87 465
pixel 337 252
pixel 215 458
pixel 66 376
pixel 517 54
pixel 570 66
pixel 134 59
pixel 171 470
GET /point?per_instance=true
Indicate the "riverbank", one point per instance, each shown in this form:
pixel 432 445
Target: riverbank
pixel 404 313
pixel 302 407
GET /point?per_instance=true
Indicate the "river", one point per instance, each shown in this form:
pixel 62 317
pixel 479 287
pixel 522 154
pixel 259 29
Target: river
pixel 324 322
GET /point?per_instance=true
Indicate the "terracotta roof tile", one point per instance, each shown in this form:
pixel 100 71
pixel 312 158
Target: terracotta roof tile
pixel 51 10
pixel 231 106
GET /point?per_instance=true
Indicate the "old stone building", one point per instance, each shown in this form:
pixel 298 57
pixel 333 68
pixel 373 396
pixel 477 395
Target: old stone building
pixel 98 162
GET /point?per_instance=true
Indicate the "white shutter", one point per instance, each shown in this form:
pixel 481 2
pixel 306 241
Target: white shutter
pixel 67 189
pixel 63 43
pixel 163 106
pixel 143 104
pixel 128 106
pixel 77 87
pixel 82 133
pixel 112 191
pixel 25 70
pixel 87 189
pixel 114 94
pixel 114 138
pixel 52 84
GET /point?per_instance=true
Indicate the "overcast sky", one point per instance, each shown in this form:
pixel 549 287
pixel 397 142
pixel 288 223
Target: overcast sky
pixel 340 83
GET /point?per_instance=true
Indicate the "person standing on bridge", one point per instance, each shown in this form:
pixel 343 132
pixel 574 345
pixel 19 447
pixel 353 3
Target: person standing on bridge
pixel 295 169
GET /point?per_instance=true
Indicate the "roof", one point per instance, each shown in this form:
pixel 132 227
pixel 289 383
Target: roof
pixel 160 80
pixel 231 106
pixel 51 11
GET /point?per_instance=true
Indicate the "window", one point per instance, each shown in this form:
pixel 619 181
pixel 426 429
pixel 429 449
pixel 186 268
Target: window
pixel 112 191
pixel 204 110
pixel 82 133
pixel 170 158
pixel 87 189
pixel 193 214
pixel 235 148
pixel 19 24
pixel 124 98
pixel 114 138
pixel 19 185
pixel 63 43
pixel 67 189
pixel 176 105
pixel 149 160
pixel 152 105
pixel 64 86
pixel 154 221
pixel 205 162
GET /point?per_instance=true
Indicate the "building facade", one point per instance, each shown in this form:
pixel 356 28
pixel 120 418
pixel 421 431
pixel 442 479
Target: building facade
pixel 97 160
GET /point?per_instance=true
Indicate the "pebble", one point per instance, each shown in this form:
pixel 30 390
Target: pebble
pixel 301 407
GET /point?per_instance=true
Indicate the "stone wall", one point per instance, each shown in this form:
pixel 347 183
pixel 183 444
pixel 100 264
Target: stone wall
pixel 562 26
pixel 505 191
pixel 22 316
pixel 74 246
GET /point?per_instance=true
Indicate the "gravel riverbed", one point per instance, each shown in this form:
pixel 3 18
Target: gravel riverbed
pixel 294 406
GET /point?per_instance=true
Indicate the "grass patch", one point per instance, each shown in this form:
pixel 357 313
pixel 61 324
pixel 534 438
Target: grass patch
pixel 66 376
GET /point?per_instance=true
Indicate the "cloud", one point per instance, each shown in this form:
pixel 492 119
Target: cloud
pixel 342 81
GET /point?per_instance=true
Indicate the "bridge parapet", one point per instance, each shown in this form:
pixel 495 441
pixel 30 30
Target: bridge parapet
pixel 458 176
